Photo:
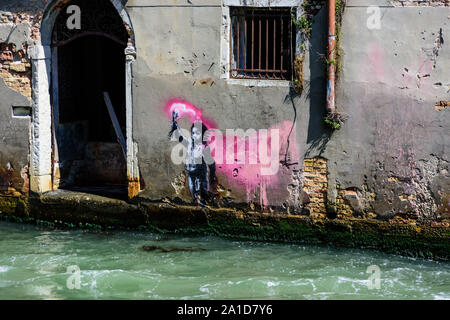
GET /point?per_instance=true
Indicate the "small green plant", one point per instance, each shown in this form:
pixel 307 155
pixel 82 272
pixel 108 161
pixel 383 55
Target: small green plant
pixel 304 24
pixel 333 124
pixel 335 120
pixel 332 61
pixel 340 6
pixel 302 46
pixel 306 4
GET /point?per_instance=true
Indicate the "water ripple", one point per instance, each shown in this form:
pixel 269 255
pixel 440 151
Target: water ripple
pixel 34 261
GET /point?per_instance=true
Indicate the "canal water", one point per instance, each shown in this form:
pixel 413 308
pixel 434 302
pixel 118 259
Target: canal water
pixel 34 264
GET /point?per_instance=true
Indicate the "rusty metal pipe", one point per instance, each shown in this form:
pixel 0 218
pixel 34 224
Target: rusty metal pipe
pixel 331 106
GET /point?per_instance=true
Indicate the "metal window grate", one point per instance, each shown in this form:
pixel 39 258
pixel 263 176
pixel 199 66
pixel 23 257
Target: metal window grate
pixel 262 42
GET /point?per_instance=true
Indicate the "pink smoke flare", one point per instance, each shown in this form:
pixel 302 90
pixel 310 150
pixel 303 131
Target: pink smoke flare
pixel 185 109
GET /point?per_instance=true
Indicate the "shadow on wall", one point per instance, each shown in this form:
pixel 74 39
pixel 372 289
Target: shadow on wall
pixel 318 133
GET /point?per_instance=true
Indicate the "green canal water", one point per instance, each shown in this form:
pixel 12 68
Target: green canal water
pixel 113 265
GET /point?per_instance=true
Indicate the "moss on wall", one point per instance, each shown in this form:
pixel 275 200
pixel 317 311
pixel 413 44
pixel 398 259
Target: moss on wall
pixel 73 210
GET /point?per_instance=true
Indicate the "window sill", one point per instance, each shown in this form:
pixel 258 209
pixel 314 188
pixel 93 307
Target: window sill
pixel 259 83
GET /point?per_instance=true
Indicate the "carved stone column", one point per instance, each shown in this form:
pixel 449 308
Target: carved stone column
pixel 132 165
pixel 41 145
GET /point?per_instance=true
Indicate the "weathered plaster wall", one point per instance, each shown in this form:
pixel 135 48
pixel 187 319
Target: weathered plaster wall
pixel 178 54
pixel 389 158
pixel 392 155
pixel 19 27
pixel 14 142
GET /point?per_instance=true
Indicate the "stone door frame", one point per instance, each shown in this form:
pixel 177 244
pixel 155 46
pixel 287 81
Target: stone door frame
pixel 44 68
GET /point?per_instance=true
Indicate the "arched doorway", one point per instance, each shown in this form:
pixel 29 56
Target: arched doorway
pixel 77 66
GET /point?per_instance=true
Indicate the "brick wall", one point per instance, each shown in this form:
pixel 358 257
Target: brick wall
pixel 349 202
pixel 15 68
pixel 31 18
pixel 315 185
pixel 342 205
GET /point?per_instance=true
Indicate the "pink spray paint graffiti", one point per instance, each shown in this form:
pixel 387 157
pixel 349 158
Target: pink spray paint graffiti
pixel 255 159
pixel 375 64
pixel 417 75
pixel 186 109
pixel 247 159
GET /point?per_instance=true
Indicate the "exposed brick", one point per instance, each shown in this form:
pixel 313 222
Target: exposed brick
pixel 343 207
pixel 18 67
pixel 33 18
pixel 15 69
pixel 6 56
pixel 441 105
pixel 315 184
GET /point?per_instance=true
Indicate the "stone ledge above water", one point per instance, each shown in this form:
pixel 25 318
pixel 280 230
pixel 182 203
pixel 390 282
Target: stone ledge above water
pixel 76 209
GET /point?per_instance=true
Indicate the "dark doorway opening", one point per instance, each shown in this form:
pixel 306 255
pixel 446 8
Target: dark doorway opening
pixel 88 156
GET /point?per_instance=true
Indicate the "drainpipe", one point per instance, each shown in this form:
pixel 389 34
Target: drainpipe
pixel 331 107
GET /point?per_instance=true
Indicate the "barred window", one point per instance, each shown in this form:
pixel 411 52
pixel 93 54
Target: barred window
pixel 262 43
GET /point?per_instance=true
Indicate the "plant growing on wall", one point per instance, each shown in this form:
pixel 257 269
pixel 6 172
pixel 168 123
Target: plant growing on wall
pixel 335 120
pixel 336 61
pixel 298 73
pixel 333 124
pixel 303 24
pixel 340 5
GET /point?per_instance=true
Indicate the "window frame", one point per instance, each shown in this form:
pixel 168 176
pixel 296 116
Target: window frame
pixel 225 45
pixel 249 58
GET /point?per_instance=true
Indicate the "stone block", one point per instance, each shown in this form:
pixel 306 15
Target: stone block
pixel 18 67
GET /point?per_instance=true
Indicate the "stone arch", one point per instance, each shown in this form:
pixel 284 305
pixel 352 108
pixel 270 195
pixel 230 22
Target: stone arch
pixel 54 7
pixel 43 57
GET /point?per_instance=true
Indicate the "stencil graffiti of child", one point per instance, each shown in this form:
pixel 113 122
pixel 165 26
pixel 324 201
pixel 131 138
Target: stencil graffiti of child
pixel 201 174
